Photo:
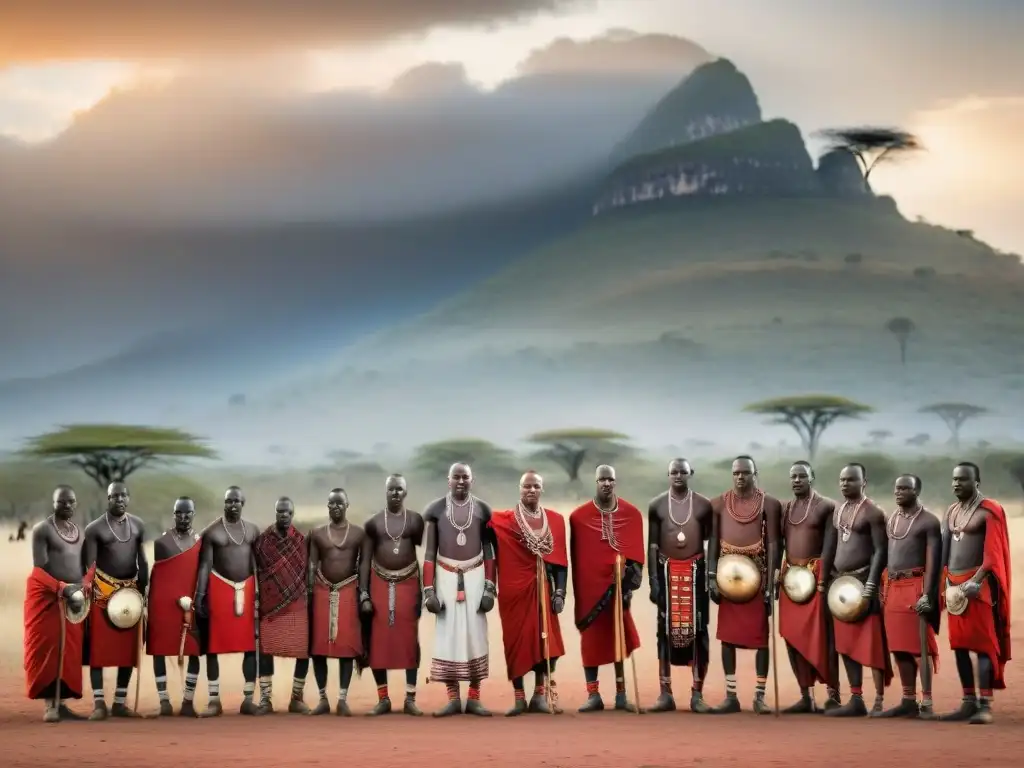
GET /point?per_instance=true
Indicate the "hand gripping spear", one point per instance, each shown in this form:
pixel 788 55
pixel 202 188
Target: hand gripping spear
pixel 542 592
pixel 620 631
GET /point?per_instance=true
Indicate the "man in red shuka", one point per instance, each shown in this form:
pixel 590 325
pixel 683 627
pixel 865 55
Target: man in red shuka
pixel 55 609
pixel 910 595
pixel 976 554
pixel 603 530
pixel 532 570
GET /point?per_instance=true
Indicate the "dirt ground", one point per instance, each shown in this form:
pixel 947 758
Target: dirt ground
pixel 605 739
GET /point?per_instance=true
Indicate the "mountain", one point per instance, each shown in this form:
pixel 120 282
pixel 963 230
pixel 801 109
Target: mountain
pixel 839 174
pixel 767 159
pixel 715 98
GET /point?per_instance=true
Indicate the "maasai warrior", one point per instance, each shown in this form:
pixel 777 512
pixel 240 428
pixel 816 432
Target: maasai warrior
pixel 910 599
pixel 56 604
pixel 113 544
pixel 282 568
pixel 861 551
pixel 334 559
pixel 226 599
pixel 745 522
pixel 459 589
pixel 389 592
pixel 976 555
pixel 809 540
pixel 171 630
pixel 678 525
pixel 533 567
pixel 603 531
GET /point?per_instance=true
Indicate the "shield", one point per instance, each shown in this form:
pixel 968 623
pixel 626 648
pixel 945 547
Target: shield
pixel 124 608
pixel 738 578
pixel 799 583
pixel 956 600
pixel 845 601
pixel 75 612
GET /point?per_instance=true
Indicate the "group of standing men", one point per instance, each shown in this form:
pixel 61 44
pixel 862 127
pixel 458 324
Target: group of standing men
pixel 849 582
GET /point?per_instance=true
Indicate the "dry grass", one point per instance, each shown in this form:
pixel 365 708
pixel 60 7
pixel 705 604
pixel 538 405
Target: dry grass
pixel 15 564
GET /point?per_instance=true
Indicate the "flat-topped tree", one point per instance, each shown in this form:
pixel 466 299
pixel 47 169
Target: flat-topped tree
pixel 809 415
pixel 901 328
pixel 435 459
pixel 111 453
pixel 871 145
pixel 571 448
pixel 954 415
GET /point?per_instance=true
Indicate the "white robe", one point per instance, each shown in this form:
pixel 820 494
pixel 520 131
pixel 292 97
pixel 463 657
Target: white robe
pixel 460 637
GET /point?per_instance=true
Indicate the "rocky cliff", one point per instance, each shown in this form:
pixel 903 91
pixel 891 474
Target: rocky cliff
pixel 715 98
pixel 761 159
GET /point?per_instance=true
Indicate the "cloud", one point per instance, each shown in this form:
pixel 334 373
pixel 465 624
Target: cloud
pixel 44 30
pixel 617 50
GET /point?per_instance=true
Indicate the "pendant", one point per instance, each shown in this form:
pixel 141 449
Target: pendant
pixel 957 536
pixel 395 550
pixel 461 539
pixel 846 534
pixel 680 537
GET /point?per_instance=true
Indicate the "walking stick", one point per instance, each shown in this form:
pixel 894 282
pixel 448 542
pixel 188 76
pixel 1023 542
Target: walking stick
pixel 138 656
pixel 61 643
pixel 775 658
pixel 542 590
pixel 620 626
pixel 926 659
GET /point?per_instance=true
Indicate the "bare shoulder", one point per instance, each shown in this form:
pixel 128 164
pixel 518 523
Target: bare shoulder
pixel 211 531
pixel 772 504
pixel 826 504
pixel 41 530
pixel 654 505
pixel 485 509
pixel 930 520
pixel 252 531
pixel 874 512
pixel 717 503
pixel 93 528
pixel 416 519
pixel 355 531
pixel 433 511
pixel 137 523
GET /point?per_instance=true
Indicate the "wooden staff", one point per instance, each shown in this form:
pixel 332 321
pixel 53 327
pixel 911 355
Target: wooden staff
pixel 620 631
pixel 138 657
pixel 61 643
pixel 926 659
pixel 542 591
pixel 775 658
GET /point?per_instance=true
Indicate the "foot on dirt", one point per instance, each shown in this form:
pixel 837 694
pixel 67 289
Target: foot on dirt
pixel 342 710
pixel 539 704
pixel 906 708
pixel 188 709
pixel 594 704
pixel 519 708
pixel 830 704
pixel 251 708
pixel 453 707
pixel 213 709
pixel 698 705
pixel 266 707
pixel 409 708
pixel 122 710
pixel 67 714
pixel 968 709
pixel 166 709
pixel 927 712
pixel 664 703
pixel 760 707
pixel 323 707
pixel 622 704
pixel 804 706
pixel 382 707
pixel 298 707
pixel 51 715
pixel 99 712
pixel 983 716
pixel 855 707
pixel 474 707
pixel 728 707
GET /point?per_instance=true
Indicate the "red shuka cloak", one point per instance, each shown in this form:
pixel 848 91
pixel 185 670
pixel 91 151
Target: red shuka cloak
pixel 44 612
pixel 519 593
pixel 169 580
pixel 593 577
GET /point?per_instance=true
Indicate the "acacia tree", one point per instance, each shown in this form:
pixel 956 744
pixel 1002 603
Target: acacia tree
pixel 570 448
pixel 482 455
pixel 871 145
pixel 879 436
pixel 111 453
pixel 954 415
pixel 901 328
pixel 809 415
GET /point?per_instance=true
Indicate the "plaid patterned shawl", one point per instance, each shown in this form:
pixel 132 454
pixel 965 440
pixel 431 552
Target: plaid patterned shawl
pixel 281 562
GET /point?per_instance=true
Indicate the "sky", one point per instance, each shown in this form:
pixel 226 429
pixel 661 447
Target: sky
pixel 952 72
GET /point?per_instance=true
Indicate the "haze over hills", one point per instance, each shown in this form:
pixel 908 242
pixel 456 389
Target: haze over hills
pixel 719 266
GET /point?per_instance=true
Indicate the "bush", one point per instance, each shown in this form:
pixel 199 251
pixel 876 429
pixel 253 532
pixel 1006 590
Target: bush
pixel 853 258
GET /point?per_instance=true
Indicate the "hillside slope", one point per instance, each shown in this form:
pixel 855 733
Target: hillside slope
pixel 687 311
